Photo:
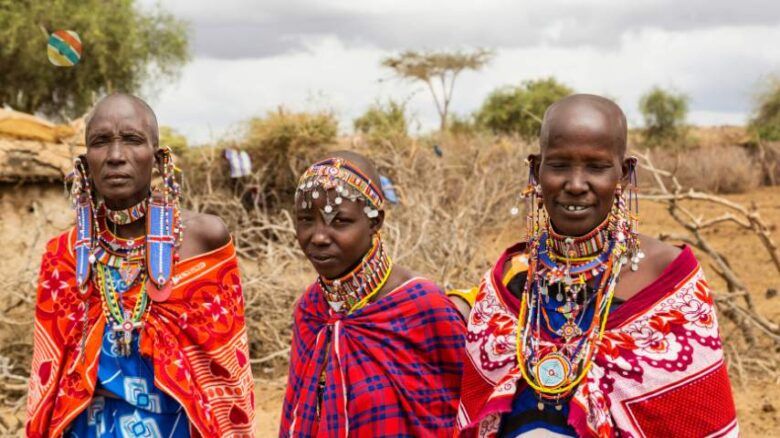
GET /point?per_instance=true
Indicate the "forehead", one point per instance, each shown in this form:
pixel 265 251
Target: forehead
pixel 117 115
pixel 588 130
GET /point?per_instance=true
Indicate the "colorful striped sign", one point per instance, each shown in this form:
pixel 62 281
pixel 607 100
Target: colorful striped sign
pixel 64 48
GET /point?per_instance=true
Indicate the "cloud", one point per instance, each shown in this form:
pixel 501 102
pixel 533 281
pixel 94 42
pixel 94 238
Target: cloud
pixel 232 29
pixel 712 65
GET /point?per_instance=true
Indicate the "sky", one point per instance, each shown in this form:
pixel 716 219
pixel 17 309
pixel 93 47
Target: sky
pixel 251 57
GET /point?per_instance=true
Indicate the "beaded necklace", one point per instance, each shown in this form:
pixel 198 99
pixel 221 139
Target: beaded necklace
pixel 554 360
pixel 126 255
pixel 355 289
pixel 121 322
pixel 127 215
pixel 116 255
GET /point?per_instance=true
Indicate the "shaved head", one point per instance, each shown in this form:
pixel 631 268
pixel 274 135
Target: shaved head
pixel 142 109
pixel 361 162
pixel 584 112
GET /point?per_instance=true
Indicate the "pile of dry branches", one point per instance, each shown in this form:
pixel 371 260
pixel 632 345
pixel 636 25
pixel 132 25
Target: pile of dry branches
pixel 757 339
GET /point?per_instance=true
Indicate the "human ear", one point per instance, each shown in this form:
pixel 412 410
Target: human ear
pixel 377 222
pixel 628 170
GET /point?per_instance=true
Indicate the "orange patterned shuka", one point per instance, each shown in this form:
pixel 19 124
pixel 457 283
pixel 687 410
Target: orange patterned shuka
pixel 197 341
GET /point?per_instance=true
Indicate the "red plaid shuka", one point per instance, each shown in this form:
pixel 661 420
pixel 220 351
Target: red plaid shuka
pixel 658 371
pixel 393 367
pixel 196 339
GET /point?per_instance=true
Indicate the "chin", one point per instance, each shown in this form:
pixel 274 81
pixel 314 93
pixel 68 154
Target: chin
pixel 571 228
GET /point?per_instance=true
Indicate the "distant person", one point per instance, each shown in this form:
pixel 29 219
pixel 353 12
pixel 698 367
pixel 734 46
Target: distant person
pixel 589 328
pixel 139 319
pixel 376 350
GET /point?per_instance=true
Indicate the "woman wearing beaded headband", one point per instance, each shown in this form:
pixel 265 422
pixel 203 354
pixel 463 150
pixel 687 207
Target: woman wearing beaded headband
pixel 557 345
pixel 139 327
pixel 375 349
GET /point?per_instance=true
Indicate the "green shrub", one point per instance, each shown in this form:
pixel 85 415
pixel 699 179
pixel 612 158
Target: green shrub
pixel 383 120
pixel 765 123
pixel 284 143
pixel 173 139
pixel 519 110
pixel 664 113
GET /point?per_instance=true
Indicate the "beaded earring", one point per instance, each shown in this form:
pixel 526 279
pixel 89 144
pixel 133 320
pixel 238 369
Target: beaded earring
pixel 83 204
pixel 536 214
pixel 626 210
pixel 163 230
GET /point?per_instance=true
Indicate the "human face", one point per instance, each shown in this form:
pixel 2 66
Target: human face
pixel 120 153
pixel 579 172
pixel 336 248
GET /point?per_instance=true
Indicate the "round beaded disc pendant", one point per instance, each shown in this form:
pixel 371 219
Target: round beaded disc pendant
pixel 552 371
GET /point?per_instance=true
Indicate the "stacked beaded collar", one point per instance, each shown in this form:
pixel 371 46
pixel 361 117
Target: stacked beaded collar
pixel 579 248
pixel 127 215
pixel 345 179
pixel 354 290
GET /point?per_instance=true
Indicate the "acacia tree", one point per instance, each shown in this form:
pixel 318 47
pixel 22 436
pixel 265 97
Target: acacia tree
pixel 123 47
pixel 438 70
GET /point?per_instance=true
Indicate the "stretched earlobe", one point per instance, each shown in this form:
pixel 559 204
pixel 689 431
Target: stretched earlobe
pixel 533 161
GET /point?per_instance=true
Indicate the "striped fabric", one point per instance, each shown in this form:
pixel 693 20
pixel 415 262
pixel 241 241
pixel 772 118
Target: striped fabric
pixel 392 368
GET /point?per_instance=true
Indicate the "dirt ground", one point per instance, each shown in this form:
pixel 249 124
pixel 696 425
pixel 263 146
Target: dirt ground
pixel 31 215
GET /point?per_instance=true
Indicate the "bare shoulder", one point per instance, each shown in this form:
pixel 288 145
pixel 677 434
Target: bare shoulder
pixel 203 232
pixel 658 254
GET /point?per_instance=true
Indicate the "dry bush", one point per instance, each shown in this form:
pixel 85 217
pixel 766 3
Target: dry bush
pixel 449 203
pixel 722 169
pixel 287 141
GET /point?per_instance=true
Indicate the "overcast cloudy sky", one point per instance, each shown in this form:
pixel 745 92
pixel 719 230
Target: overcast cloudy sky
pixel 252 56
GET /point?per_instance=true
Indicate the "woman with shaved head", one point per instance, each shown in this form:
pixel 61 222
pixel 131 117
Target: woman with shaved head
pixel 589 328
pixel 139 319
pixel 376 350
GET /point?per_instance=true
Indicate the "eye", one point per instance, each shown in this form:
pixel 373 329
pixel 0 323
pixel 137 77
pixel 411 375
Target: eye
pixel 557 165
pixel 341 220
pixel 98 141
pixel 133 139
pixel 600 166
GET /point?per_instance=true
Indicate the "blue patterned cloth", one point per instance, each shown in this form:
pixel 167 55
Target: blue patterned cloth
pixel 139 409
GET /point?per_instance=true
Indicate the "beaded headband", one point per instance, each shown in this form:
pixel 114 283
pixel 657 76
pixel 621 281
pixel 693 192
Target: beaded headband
pixel 345 178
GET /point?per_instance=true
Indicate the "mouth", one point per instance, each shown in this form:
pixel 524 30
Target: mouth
pixel 575 209
pixel 116 177
pixel 321 259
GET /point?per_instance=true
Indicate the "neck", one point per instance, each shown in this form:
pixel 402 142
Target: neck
pixel 588 245
pixel 121 204
pixel 354 290
pixel 129 231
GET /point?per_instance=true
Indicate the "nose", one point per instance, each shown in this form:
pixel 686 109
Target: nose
pixel 577 183
pixel 320 236
pixel 115 152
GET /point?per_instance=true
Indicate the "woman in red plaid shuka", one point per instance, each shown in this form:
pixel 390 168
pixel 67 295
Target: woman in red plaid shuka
pixel 376 350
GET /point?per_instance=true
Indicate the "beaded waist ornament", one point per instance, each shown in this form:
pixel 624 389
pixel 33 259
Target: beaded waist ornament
pixel 570 280
pixel 337 179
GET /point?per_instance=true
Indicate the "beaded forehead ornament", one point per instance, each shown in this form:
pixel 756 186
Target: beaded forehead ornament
pixel 346 180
